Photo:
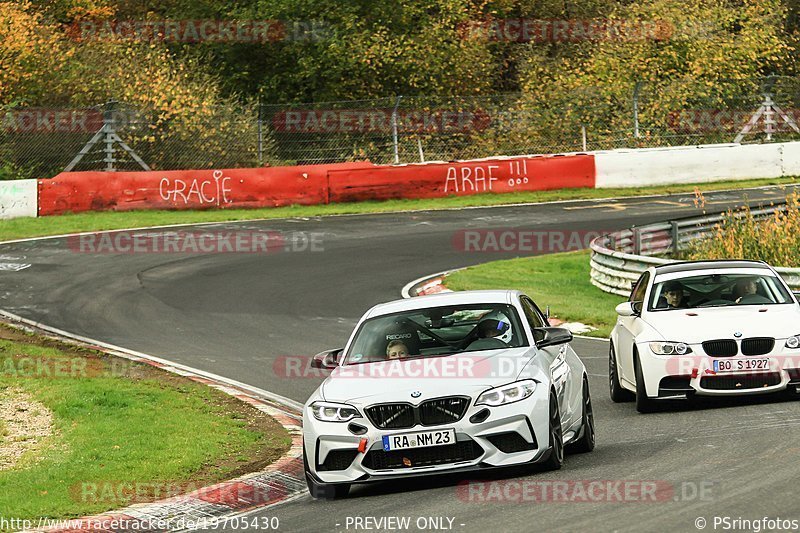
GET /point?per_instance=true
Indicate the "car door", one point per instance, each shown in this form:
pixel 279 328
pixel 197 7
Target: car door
pixel 556 358
pixel 627 329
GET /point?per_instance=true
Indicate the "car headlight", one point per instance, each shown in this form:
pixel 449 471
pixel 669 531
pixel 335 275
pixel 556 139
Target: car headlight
pixel 793 342
pixel 670 348
pixel 334 412
pixel 505 394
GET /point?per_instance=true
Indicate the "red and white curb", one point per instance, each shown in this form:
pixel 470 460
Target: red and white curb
pixel 281 481
pixel 430 284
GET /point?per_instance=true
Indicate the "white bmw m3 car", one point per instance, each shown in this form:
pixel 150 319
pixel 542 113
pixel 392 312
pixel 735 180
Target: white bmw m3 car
pixel 715 328
pixel 445 383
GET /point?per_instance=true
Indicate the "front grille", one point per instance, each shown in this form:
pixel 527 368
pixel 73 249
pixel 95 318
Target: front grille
pixel 465 450
pixel 392 415
pixel 674 384
pixel 757 345
pixel 442 411
pixel 751 381
pixel 429 413
pixel 338 460
pixel 511 442
pixel 721 348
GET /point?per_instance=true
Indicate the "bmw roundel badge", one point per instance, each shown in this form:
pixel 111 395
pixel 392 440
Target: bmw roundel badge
pixel 416 394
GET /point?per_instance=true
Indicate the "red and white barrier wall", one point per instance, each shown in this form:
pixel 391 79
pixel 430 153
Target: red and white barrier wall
pixel 18 198
pixel 314 184
pixel 350 182
pixel 696 164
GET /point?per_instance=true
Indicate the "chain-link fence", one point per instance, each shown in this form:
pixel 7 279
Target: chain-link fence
pixel 41 142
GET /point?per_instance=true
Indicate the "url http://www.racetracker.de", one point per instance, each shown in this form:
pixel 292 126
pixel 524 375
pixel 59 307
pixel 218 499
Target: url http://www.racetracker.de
pixel 738 523
pixel 126 524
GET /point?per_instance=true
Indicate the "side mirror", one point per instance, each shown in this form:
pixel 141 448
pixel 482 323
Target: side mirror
pixel 545 337
pixel 328 359
pixel 629 309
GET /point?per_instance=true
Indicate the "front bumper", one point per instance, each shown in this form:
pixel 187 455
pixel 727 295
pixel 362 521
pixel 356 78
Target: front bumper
pixel 521 428
pixel 693 374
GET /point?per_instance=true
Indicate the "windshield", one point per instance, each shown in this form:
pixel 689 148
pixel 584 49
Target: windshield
pixel 436 331
pixel 717 290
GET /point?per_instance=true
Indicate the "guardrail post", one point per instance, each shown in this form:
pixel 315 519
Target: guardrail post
pixel 260 118
pixel 394 130
pixel 636 90
pixel 675 237
pixel 637 241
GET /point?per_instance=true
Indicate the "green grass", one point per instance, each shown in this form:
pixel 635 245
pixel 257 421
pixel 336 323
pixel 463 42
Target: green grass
pixel 558 280
pixel 142 425
pixel 96 221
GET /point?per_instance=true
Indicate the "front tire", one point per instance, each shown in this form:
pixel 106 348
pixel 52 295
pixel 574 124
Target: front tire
pixel 323 491
pixel 618 394
pixel 644 404
pixel 586 442
pixel 555 459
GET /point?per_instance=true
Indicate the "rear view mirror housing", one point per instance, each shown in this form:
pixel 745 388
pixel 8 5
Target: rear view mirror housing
pixel 629 309
pixel 545 337
pixel 329 359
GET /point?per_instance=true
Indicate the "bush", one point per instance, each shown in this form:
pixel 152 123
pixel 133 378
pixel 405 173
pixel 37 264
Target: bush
pixel 740 235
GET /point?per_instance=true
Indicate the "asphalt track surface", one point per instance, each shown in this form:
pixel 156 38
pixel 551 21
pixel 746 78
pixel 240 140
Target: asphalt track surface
pixel 242 315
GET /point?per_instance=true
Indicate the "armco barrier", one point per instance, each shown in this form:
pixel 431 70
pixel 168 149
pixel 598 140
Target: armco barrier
pixel 18 198
pixel 313 184
pixel 619 258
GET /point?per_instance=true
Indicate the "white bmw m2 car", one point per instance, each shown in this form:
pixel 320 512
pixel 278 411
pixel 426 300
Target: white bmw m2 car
pixel 715 328
pixel 445 383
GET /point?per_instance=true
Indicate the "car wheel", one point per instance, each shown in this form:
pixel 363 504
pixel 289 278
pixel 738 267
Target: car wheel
pixel 555 459
pixel 586 442
pixel 618 394
pixel 323 491
pixel 643 403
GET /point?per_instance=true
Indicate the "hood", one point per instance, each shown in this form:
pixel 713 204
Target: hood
pixel 694 326
pixel 433 377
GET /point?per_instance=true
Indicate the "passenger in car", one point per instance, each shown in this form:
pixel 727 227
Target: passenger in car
pixel 673 294
pixel 396 350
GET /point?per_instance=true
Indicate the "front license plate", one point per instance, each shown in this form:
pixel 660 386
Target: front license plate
pixel 741 365
pixel 419 439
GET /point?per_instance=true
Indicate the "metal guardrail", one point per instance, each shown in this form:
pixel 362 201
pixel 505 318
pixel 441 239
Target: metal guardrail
pixel 619 258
